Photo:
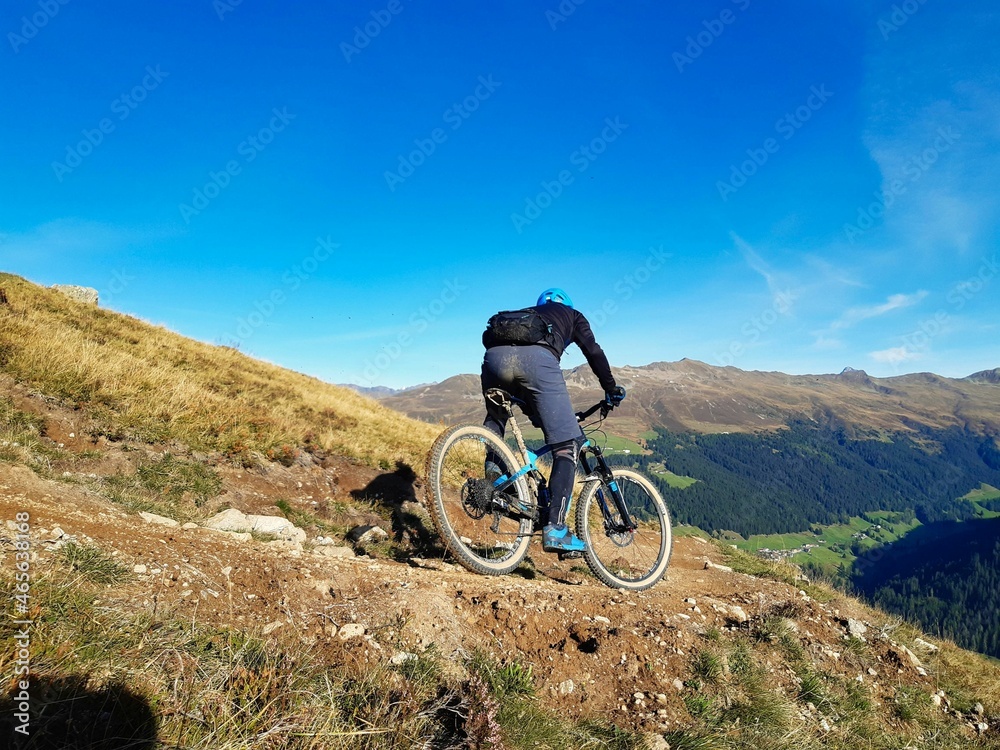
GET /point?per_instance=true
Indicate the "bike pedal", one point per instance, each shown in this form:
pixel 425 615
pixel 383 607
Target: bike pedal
pixel 570 556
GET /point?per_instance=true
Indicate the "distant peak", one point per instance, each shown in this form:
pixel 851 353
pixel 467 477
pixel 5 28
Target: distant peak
pixel 986 376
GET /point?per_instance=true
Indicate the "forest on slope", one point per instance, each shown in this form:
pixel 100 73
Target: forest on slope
pixel 943 575
pixel 789 480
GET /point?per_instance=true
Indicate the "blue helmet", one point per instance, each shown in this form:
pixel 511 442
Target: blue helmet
pixel 554 295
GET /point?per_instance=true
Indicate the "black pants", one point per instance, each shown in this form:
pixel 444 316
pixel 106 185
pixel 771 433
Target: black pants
pixel 532 374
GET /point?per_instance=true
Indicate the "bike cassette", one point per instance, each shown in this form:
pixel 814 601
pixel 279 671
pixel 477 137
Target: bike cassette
pixel 477 495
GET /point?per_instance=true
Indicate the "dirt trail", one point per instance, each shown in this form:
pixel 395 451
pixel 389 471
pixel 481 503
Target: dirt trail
pixel 592 649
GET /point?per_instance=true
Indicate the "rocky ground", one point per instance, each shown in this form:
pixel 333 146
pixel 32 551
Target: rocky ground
pixel 594 651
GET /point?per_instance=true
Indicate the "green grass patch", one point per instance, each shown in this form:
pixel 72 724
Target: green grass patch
pixel 830 548
pixel 93 564
pixel 674 480
pixel 22 441
pixel 170 486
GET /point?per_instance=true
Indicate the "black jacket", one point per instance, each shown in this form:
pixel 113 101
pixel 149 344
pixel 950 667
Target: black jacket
pixel 569 326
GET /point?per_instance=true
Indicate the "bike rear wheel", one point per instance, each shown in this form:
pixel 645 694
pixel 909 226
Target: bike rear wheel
pixel 482 535
pixel 620 558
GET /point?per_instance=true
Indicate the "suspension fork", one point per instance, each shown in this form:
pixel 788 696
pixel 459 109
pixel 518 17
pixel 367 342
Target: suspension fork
pixel 603 471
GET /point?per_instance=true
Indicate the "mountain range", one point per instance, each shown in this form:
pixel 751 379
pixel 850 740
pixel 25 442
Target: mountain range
pixel 692 396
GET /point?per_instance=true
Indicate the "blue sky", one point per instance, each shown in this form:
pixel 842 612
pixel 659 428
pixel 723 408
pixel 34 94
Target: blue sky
pixel 351 190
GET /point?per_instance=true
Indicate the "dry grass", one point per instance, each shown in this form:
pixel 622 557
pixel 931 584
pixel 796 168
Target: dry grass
pixel 106 674
pixel 139 381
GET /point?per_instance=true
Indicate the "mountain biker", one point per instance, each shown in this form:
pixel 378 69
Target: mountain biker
pixel 526 365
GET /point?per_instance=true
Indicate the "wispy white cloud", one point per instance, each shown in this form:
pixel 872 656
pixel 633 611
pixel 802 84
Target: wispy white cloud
pixel 827 273
pixel 855 315
pixel 933 129
pixel 780 286
pixel 894 356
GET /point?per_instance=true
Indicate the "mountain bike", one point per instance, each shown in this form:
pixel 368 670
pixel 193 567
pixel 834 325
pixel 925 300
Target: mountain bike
pixel 487 501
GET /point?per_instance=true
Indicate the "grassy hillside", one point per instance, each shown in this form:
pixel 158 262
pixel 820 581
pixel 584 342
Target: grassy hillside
pixel 139 381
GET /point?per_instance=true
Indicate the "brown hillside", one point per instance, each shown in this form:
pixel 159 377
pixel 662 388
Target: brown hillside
pixel 693 396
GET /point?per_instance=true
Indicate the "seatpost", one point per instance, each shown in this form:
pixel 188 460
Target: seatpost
pixel 499 398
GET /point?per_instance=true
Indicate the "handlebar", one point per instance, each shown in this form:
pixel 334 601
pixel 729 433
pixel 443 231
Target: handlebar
pixel 602 405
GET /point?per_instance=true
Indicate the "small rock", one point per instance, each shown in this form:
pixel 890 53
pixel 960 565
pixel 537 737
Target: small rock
pixel 229 520
pixel 678 685
pixel 161 520
pixel 690 601
pixel 421 562
pixel 602 619
pixel 227 570
pixel 276 526
pixel 190 525
pixel 402 657
pixel 925 645
pixel 936 700
pixel 271 627
pixel 658 741
pixel 84 294
pixel 856 629
pixel 978 709
pixel 566 687
pixel 367 534
pixel 709 565
pixel 912 657
pixel 139 569
pixel 240 536
pixel 351 630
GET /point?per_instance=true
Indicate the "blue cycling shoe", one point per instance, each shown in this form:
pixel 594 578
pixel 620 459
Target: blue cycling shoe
pixel 561 539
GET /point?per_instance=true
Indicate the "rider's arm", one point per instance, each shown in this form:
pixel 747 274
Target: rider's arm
pixel 583 337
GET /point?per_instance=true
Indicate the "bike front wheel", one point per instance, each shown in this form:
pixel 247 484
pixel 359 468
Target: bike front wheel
pixel 621 558
pixel 486 534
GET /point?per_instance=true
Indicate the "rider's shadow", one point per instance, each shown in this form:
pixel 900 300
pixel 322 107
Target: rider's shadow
pixel 396 491
pixel 68 713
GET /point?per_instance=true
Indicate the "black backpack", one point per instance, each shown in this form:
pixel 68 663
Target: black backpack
pixel 517 328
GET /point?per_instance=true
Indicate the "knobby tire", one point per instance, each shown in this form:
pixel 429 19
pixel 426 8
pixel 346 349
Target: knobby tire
pixel 623 560
pixel 456 457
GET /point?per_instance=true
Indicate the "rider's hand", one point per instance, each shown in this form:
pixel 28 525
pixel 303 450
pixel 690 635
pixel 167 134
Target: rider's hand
pixel 615 397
